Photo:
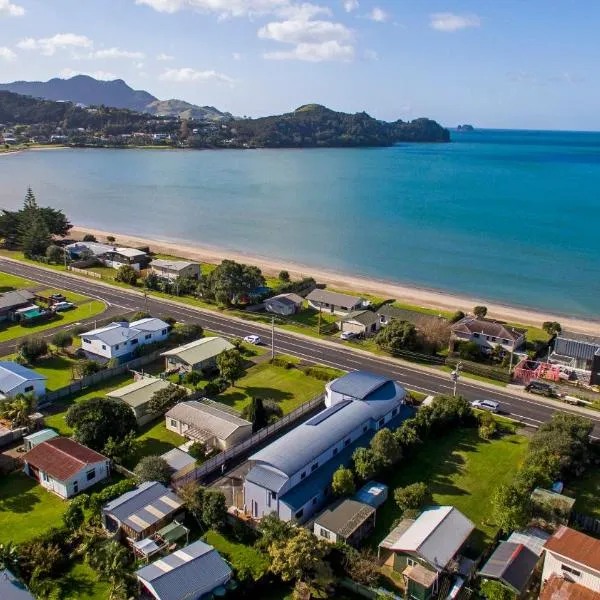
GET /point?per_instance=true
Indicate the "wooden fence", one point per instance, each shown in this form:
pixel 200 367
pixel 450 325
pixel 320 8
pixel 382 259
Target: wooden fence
pixel 85 272
pixel 586 523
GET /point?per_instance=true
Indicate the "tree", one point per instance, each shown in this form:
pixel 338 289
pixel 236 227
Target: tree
pixel 18 410
pixel 411 497
pixel 386 447
pixel 366 463
pixel 511 507
pixel 230 281
pixel 73 516
pixel 272 530
pixel 255 413
pixel 397 336
pixel 231 365
pixel 487 426
pixel 361 566
pixel 551 327
pixel 480 311
pixel 457 316
pixel 407 436
pixel 494 590
pixel 298 557
pixel 110 239
pixel 121 450
pixel 193 378
pixel 127 274
pixel 98 419
pixel 62 339
pixel 214 509
pixel 87 367
pixel 469 351
pixel 151 281
pixel 88 237
pixel 192 495
pixel 284 276
pixel 32 348
pixel 153 468
pixel 164 399
pixel 198 451
pixel 55 254
pixel 9 557
pixel 342 483
pixel 36 237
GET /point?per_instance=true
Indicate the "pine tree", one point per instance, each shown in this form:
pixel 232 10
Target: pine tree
pixel 36 238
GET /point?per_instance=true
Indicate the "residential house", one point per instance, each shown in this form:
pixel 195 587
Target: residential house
pixel 334 302
pixel 10 302
pixel 425 549
pixel 13 589
pixel 17 379
pixel 362 323
pixel 573 556
pixel 65 467
pixel 172 269
pixel 488 334
pixel 346 521
pixel 32 440
pixel 83 250
pixel 578 352
pixel 284 304
pixel 137 396
pixel 291 477
pixel 372 493
pixel 511 564
pixel 118 257
pixel 208 422
pixel 558 588
pixel 200 355
pixel 191 573
pixel 143 511
pixel 121 340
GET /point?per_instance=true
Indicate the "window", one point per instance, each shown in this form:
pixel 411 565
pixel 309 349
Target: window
pixel 91 474
pixel 381 422
pixel 173 423
pixel 571 571
pixel 164 332
pixel 86 341
pixel 299 514
pixel 335 451
pixel 134 342
pixel 148 336
pixel 29 388
pixel 303 475
pixel 346 442
pixel 487 337
pixel 117 346
pixel 44 476
pixel 273 496
pixel 314 467
pixel 324 533
pixel 475 335
pixel 103 347
pixel 75 486
pixel 411 562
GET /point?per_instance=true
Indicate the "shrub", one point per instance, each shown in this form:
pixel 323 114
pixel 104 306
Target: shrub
pixel 55 254
pixel 198 451
pixel 411 497
pixel 85 368
pixel 480 311
pixel 32 348
pixel 282 361
pixel 457 316
pixel 62 339
pixel 193 377
pixel 321 373
pixel 110 492
pixel 488 427
pixel 88 237
pixel 284 276
pixel 153 468
pixel 127 274
pixel 470 351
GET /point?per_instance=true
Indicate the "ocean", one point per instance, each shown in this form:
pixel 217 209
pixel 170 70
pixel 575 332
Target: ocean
pixel 511 216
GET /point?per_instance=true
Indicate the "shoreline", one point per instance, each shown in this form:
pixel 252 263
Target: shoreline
pixel 423 297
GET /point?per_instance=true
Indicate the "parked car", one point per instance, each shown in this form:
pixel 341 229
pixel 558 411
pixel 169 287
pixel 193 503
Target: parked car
pixel 61 306
pixel 57 298
pixel 490 405
pixel 348 335
pixel 541 387
pixel 253 339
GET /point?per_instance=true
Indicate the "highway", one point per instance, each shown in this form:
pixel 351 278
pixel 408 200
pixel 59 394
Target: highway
pixel 531 411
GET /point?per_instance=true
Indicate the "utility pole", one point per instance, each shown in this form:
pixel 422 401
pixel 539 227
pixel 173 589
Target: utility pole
pixel 319 325
pixel 145 301
pixel 65 257
pixel 272 338
pixel 455 375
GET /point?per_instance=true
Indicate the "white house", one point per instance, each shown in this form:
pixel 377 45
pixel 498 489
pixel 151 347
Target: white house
pixel 334 302
pixel 65 467
pixel 171 269
pixel 118 257
pixel 488 334
pixel 17 379
pixel 120 340
pixel 284 304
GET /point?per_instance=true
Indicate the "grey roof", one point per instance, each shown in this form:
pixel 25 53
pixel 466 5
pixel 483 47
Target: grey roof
pixel 266 477
pixel 395 534
pixel 532 537
pixel 12 589
pixel 364 317
pixel 117 333
pixel 577 345
pixel 13 374
pixel 470 325
pixel 186 573
pixel 200 350
pixel 147 504
pixel 512 564
pixel 140 392
pixel 358 384
pixel 335 298
pixel 307 441
pixel 15 298
pixel 208 416
pixel 172 265
pixel 40 436
pixel 128 252
pixel 345 517
pixel 405 314
pixel 149 324
pixel 95 248
pixel 286 299
pixel 178 459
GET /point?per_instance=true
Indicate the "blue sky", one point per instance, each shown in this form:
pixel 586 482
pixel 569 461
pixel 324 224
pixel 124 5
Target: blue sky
pixel 493 63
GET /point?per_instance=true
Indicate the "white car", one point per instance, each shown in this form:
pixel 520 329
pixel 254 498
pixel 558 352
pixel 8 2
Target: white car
pixel 60 306
pixel 347 335
pixel 490 405
pixel 253 339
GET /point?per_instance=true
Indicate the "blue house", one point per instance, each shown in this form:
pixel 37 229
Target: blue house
pixel 291 477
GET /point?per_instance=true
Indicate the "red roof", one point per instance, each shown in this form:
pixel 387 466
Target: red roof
pixel 62 457
pixel 557 588
pixel 575 545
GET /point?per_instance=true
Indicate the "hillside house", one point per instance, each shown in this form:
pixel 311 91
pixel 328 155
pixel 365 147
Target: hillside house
pixel 334 303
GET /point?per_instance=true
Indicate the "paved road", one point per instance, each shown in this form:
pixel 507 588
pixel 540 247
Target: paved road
pixel 529 410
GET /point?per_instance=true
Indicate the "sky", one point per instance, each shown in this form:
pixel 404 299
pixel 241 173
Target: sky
pixel 529 64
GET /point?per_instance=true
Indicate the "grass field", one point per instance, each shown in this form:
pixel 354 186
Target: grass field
pixel 587 491
pixel 288 387
pixel 58 369
pixel 26 509
pixel 81 582
pixel 12 282
pixel 155 440
pixel 461 470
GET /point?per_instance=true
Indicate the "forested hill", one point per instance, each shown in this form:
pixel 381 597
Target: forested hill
pixel 315 125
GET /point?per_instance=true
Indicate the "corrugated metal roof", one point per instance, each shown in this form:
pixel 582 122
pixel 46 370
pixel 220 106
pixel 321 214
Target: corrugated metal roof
pixel 173 265
pixel 200 350
pixel 40 436
pixel 578 348
pixel 335 298
pixel 186 573
pixel 267 478
pixel 436 535
pixel 178 459
pixel 358 384
pixel 532 537
pixel 15 298
pixel 139 392
pixel 11 588
pixel 363 317
pixel 117 333
pixel 13 374
pixel 511 563
pixel 345 517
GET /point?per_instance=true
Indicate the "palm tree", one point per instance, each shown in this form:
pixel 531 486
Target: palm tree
pixel 9 557
pixel 18 409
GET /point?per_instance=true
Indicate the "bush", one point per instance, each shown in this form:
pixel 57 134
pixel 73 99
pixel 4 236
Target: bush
pixel 62 339
pixel 457 316
pixel 88 237
pixel 284 276
pixel 32 348
pixel 55 254
pixel 480 311
pixel 411 497
pixel 282 361
pixel 321 373
pixel 153 468
pixel 198 451
pixel 470 351
pixel 110 492
pixel 186 333
pixel 85 368
pixel 193 377
pixel 488 427
pixel 216 386
pixel 127 274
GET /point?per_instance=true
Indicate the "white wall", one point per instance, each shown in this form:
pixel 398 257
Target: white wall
pixel 318 531
pixel 66 489
pixel 553 566
pixel 39 388
pixel 278 308
pixel 96 346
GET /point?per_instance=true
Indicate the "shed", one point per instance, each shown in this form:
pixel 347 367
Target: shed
pixel 178 459
pixel 512 564
pixel 551 506
pixel 346 521
pixel 374 494
pixel 33 439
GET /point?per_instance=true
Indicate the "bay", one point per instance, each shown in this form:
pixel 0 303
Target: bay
pixel 512 216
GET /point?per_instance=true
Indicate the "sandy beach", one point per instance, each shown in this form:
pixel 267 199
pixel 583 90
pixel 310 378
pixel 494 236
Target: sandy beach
pixel 410 295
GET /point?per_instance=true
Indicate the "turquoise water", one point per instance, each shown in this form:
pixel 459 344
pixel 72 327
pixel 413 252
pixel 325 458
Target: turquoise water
pixel 511 216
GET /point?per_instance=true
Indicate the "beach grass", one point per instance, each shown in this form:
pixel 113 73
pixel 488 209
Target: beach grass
pixel 461 470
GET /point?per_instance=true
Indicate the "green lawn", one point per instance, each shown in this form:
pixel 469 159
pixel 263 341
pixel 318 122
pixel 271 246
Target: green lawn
pixel 81 582
pixel 12 282
pixel 70 296
pixel 155 440
pixel 587 491
pixel 461 470
pixel 466 375
pixel 58 369
pixel 26 509
pixel 425 311
pixel 288 387
pixel 534 334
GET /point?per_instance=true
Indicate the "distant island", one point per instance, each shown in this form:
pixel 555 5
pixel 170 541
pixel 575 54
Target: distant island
pixel 26 120
pixel 465 128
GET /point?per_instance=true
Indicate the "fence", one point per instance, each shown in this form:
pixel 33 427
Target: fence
pixel 585 522
pixel 84 272
pixel 217 461
pixel 91 380
pixel 479 369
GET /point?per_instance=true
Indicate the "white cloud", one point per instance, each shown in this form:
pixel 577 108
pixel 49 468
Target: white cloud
pixel 116 53
pixel 378 15
pixel 8 9
pixel 324 51
pixel 223 8
pixel 350 5
pixel 187 75
pixel 300 31
pixel 165 57
pixel 104 75
pixel 450 22
pixel 303 11
pixel 48 46
pixel 371 55
pixel 7 54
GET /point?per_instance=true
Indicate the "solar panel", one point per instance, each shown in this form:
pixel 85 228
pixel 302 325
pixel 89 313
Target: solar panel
pixel 325 414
